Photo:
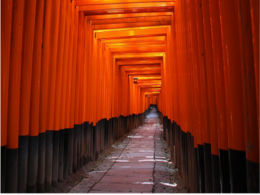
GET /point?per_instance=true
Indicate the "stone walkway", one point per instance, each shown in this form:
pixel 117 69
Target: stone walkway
pixel 139 164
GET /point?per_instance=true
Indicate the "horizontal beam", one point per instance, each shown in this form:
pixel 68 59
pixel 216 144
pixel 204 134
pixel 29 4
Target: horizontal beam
pixel 125 25
pixel 115 6
pixel 103 2
pixel 132 20
pixel 131 32
pixel 128 15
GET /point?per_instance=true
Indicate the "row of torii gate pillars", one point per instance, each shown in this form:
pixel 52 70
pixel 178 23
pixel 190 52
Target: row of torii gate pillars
pixel 67 89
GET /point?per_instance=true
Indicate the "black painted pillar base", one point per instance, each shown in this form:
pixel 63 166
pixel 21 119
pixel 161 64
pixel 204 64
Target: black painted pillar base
pixel 11 170
pixel 208 168
pixel 188 161
pixel 177 140
pixel 224 171
pixel 252 177
pixel 201 168
pixel 68 160
pixel 106 134
pixel 237 164
pixel 81 146
pixel 88 143
pixel 110 131
pixel 191 162
pixel 85 155
pixel 65 155
pixel 48 161
pixel 215 173
pixel 196 165
pixel 95 140
pixel 93 143
pixel 62 152
pixel 75 148
pixel 55 158
pixel 3 168
pixel 41 163
pixel 32 164
pixel 78 146
pixel 185 164
pixel 22 163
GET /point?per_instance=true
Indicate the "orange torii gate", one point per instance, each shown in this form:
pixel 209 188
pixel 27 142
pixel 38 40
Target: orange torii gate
pixel 76 75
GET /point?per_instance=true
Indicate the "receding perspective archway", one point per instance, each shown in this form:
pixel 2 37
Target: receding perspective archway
pixel 77 75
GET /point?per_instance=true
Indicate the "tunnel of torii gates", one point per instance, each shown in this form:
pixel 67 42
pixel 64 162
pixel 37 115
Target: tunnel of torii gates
pixel 77 75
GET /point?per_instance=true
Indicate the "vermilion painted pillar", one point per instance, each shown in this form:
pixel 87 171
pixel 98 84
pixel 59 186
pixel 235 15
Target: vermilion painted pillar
pixel 14 96
pixel 52 137
pixel 211 97
pixel 79 97
pixel 57 106
pixel 26 75
pixel 33 148
pixel 204 96
pixel 85 86
pixel 197 96
pixel 77 92
pixel 72 112
pixel 231 45
pixel 189 94
pixel 178 23
pixel 67 89
pixel 250 101
pixel 6 26
pixel 43 97
pixel 220 95
pixel 254 10
pixel 85 71
pixel 80 119
pixel 73 97
pixel 184 110
pixel 190 69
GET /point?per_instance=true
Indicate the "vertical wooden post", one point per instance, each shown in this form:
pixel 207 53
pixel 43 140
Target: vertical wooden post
pixel 26 75
pixel 14 96
pixel 234 94
pixel 6 31
pixel 52 139
pixel 220 96
pixel 211 97
pixel 43 94
pixel 249 92
pixel 35 101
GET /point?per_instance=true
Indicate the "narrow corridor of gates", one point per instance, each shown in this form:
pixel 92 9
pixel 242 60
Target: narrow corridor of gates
pixel 78 75
pixel 138 164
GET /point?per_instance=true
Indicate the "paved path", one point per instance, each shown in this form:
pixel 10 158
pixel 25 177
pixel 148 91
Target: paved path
pixel 139 164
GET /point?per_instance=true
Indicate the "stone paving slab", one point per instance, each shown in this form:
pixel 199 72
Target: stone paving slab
pixel 133 165
pixel 124 188
pixel 124 179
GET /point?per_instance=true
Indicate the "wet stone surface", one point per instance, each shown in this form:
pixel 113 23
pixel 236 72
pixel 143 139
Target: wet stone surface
pixel 139 163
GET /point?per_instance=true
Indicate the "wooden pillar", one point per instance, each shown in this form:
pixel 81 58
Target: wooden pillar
pixel 26 75
pixel 43 95
pixel 6 26
pixel 211 98
pixel 52 138
pixel 234 94
pixel 57 106
pixel 220 96
pixel 33 153
pixel 249 92
pixel 14 96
